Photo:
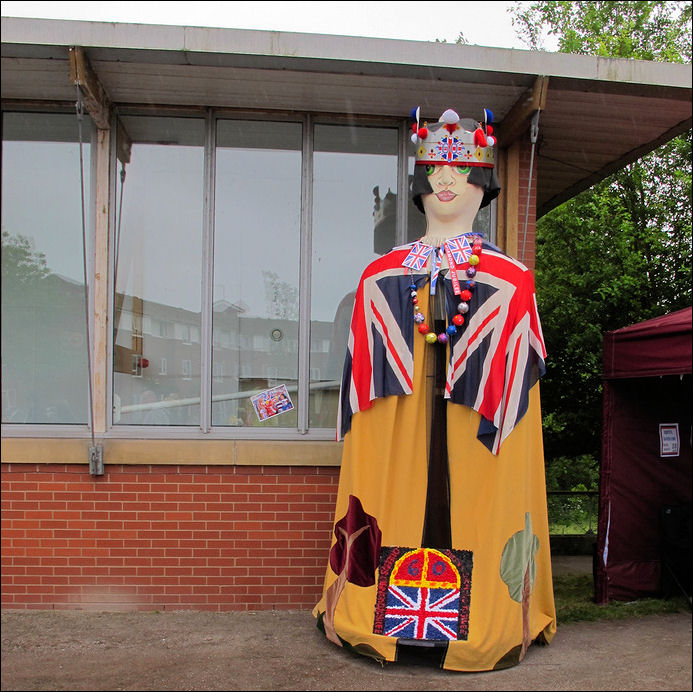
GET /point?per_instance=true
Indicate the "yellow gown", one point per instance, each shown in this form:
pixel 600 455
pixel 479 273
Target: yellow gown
pixel 499 529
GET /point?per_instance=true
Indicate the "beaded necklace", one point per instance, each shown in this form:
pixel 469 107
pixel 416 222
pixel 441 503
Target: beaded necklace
pixel 463 307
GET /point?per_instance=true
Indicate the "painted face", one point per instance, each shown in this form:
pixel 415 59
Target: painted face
pixel 452 195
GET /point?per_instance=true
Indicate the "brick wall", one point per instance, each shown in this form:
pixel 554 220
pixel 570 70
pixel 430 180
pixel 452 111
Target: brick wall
pixel 165 537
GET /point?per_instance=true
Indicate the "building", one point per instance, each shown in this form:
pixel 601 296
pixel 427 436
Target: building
pixel 235 183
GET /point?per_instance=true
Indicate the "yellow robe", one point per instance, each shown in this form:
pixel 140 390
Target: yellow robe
pixel 492 499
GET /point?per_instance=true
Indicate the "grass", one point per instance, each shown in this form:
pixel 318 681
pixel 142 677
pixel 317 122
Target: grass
pixel 574 594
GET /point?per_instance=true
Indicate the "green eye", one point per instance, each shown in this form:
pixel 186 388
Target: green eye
pixel 429 169
pixel 463 170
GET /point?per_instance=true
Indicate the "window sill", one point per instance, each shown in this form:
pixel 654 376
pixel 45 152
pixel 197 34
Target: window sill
pixel 179 452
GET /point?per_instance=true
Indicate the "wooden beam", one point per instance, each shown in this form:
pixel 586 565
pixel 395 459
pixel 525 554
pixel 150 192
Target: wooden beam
pixel 517 120
pixel 100 279
pixel 512 198
pixel 123 144
pixel 96 100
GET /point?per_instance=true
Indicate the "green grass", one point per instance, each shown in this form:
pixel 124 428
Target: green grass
pixel 574 594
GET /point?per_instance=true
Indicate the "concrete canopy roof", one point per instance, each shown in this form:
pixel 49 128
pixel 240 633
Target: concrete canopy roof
pixel 597 114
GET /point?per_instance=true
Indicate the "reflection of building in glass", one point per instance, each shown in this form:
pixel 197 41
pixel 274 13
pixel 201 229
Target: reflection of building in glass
pixel 158 349
pixel 44 375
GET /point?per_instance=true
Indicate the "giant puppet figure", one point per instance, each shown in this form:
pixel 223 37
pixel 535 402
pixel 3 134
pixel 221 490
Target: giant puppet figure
pixel 440 552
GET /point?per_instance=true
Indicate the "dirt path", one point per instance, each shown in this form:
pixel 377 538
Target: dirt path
pixel 283 650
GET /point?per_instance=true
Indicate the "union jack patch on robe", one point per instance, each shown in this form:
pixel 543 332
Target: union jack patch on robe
pixel 423 594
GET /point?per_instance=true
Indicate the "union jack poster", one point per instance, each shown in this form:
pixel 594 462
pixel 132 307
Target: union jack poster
pixel 494 360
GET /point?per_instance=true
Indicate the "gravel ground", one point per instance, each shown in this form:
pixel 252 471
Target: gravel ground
pixel 283 650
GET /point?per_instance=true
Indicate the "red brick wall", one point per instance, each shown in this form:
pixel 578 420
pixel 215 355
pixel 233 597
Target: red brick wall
pixel 165 537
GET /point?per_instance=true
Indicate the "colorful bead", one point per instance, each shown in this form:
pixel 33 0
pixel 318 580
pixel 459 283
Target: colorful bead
pixel 462 308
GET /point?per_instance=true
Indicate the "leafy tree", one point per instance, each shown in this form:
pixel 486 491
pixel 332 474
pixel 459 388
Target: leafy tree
pixel 22 264
pixel 644 29
pixel 619 252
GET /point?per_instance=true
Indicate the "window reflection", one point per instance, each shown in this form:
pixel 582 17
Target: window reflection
pixel 354 194
pixel 44 345
pixel 256 256
pixel 157 302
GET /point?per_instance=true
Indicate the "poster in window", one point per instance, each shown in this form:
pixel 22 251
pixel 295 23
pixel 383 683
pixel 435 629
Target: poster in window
pixel 669 441
pixel 272 402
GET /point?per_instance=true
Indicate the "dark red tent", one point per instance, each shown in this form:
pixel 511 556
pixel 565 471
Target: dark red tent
pixel 644 526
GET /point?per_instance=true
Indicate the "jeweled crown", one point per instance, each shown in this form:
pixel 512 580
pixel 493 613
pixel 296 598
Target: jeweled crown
pixel 454 141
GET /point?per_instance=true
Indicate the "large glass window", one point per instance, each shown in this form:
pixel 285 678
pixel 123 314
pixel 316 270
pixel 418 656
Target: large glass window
pixel 219 224
pixel 158 276
pixel 44 345
pixel 354 221
pixel 256 278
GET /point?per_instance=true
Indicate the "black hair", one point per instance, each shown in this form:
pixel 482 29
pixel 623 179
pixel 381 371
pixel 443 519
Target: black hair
pixel 478 175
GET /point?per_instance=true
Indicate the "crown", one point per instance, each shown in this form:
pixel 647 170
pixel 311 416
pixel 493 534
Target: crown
pixel 454 141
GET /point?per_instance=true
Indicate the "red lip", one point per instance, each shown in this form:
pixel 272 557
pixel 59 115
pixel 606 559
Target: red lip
pixel 445 195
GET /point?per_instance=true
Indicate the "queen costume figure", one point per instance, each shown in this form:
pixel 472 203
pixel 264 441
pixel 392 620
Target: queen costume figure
pixel 440 553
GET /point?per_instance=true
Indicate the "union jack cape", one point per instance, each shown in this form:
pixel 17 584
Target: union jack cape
pixel 495 359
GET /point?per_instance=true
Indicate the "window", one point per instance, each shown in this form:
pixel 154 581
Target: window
pixel 237 244
pixel 256 258
pixel 353 167
pixel 44 345
pixel 158 276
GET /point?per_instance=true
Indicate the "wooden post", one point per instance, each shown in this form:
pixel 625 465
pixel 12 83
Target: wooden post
pixel 100 279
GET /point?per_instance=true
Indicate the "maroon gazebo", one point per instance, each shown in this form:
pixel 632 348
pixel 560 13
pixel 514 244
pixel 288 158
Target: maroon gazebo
pixel 644 526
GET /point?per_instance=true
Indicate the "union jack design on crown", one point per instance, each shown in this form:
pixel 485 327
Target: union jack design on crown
pixel 450 148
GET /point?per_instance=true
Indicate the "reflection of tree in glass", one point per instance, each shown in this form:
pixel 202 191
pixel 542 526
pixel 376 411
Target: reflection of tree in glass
pixel 281 297
pixel 518 569
pixel 22 264
pixel 354 558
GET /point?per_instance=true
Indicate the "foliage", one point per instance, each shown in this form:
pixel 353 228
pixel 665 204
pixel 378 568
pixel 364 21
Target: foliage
pixel 617 253
pixel 22 264
pixel 574 597
pixel 645 30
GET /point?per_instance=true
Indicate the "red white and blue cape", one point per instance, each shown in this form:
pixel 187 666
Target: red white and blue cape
pixel 494 359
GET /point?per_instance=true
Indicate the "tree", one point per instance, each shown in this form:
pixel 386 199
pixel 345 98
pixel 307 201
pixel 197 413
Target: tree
pixel 22 264
pixel 619 252
pixel 644 30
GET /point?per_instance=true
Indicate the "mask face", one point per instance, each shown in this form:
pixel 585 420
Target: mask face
pixel 452 195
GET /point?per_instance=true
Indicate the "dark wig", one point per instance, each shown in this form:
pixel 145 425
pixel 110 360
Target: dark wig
pixel 485 178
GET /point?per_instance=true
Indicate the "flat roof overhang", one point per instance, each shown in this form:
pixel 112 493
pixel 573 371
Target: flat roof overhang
pixel 597 114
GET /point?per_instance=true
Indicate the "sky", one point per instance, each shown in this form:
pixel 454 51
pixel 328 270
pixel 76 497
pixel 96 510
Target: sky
pixel 483 23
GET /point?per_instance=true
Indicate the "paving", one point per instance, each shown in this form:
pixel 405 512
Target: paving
pixel 283 650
